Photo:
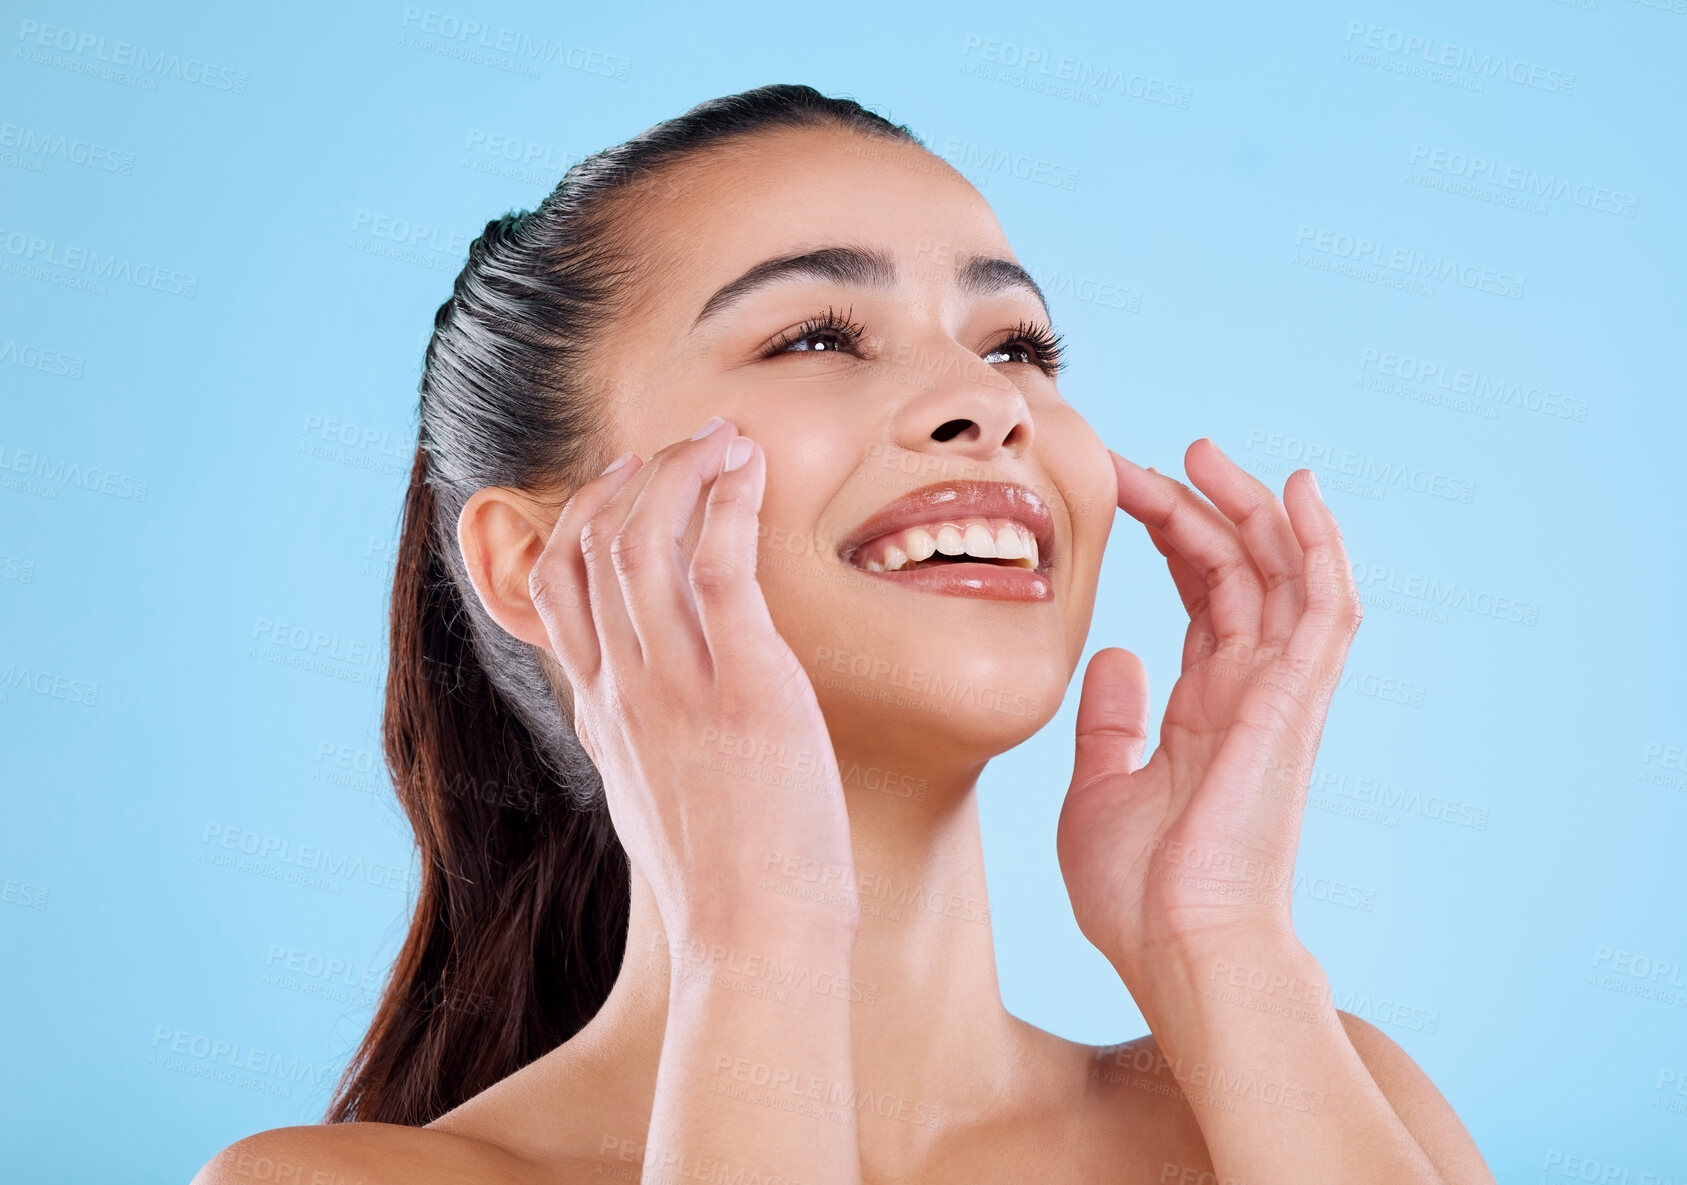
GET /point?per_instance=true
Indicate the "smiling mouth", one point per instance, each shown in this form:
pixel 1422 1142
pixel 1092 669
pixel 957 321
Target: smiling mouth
pixel 961 540
pixel 970 538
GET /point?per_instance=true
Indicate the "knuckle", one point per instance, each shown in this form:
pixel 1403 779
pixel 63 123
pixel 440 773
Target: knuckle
pixel 729 497
pixel 1256 498
pixel 550 596
pixel 788 684
pixel 1340 613
pixel 1232 568
pixel 1349 609
pixel 629 550
pixel 1238 645
pixel 594 536
pixel 542 595
pixel 712 574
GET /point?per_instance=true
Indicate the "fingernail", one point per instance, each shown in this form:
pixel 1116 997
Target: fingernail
pixel 617 463
pixel 709 426
pixel 1315 489
pixel 737 453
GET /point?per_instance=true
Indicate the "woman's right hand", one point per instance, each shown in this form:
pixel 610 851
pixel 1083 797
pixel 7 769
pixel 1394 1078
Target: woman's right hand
pixel 671 661
pixel 715 759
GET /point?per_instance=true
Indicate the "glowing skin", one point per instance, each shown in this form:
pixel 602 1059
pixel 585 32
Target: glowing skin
pixel 845 436
pixel 670 648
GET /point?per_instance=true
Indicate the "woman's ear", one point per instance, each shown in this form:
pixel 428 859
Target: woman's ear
pixel 502 533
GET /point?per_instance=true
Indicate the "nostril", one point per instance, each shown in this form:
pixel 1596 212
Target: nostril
pixel 949 431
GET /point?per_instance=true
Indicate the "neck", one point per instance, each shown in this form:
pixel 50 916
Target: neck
pixel 929 1015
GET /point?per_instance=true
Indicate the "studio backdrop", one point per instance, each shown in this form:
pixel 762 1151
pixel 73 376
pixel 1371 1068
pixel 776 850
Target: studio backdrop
pixel 1435 253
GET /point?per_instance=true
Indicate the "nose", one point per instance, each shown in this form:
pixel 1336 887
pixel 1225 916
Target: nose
pixel 973 413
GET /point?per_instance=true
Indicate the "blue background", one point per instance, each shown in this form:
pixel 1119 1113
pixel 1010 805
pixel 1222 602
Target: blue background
pixel 188 480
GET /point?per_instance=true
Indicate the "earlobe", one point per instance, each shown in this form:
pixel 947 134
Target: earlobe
pixel 502 538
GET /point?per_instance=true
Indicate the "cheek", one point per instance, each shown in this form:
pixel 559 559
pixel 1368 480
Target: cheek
pixel 802 585
pixel 795 577
pixel 1083 469
pixel 810 617
pixel 1090 484
pixel 1088 472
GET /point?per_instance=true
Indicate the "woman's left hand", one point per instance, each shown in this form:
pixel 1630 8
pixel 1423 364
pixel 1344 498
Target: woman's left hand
pixel 1194 852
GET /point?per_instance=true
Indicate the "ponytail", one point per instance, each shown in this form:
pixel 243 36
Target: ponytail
pixel 520 924
pixel 521 920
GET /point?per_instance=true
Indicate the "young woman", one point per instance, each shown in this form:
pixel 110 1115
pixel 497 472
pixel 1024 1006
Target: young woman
pixel 747 524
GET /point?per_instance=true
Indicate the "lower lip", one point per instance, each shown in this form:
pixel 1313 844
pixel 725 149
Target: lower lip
pixel 992 581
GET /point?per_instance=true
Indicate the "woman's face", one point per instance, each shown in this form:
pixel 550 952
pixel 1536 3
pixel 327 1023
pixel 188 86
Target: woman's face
pixel 942 393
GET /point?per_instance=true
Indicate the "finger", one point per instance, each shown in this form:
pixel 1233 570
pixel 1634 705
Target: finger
pixel 1191 589
pixel 618 642
pixel 1209 541
pixel 557 582
pixel 1264 526
pixel 1293 703
pixel 1112 717
pixel 649 552
pixel 730 605
pixel 1198 639
pixel 1259 775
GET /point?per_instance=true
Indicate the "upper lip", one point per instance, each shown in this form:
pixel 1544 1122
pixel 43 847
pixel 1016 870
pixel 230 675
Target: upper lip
pixel 959 499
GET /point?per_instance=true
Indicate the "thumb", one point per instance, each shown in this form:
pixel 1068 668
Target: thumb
pixel 1112 717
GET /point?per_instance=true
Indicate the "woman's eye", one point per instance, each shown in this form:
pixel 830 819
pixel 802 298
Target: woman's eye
pixel 1012 352
pixel 825 341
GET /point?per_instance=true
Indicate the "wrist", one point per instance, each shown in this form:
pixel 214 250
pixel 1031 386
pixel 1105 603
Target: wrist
pixel 765 919
pixel 1190 967
pixel 769 963
pixel 780 896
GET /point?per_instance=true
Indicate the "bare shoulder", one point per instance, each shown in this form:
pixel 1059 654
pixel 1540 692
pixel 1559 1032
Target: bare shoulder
pixel 370 1153
pixel 1421 1107
pixel 1135 1080
pixel 1171 1134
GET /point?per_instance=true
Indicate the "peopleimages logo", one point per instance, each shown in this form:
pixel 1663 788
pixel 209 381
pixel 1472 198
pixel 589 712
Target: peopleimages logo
pixel 31 253
pixel 1376 472
pixel 1408 262
pixel 1030 60
pixel 265 851
pixel 967 155
pixel 1477 63
pixel 1448 594
pixel 37 358
pixel 37 145
pixel 1463 381
pixel 132 57
pixel 1526 183
pixel 521 47
pixel 53 473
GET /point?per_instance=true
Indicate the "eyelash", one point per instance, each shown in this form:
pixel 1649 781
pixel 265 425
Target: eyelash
pixel 1045 343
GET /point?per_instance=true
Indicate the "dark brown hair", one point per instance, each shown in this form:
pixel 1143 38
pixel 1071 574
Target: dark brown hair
pixel 520 923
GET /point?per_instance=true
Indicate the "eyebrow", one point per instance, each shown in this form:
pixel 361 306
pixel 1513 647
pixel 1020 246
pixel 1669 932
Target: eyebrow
pixel 866 267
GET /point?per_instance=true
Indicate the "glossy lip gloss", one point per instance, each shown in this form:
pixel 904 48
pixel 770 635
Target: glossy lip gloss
pixel 977 578
pixel 933 504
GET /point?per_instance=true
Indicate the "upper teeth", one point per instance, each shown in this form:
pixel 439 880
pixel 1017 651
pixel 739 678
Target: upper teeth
pixel 981 538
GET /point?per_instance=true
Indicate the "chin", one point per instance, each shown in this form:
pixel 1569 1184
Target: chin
pixel 972 693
